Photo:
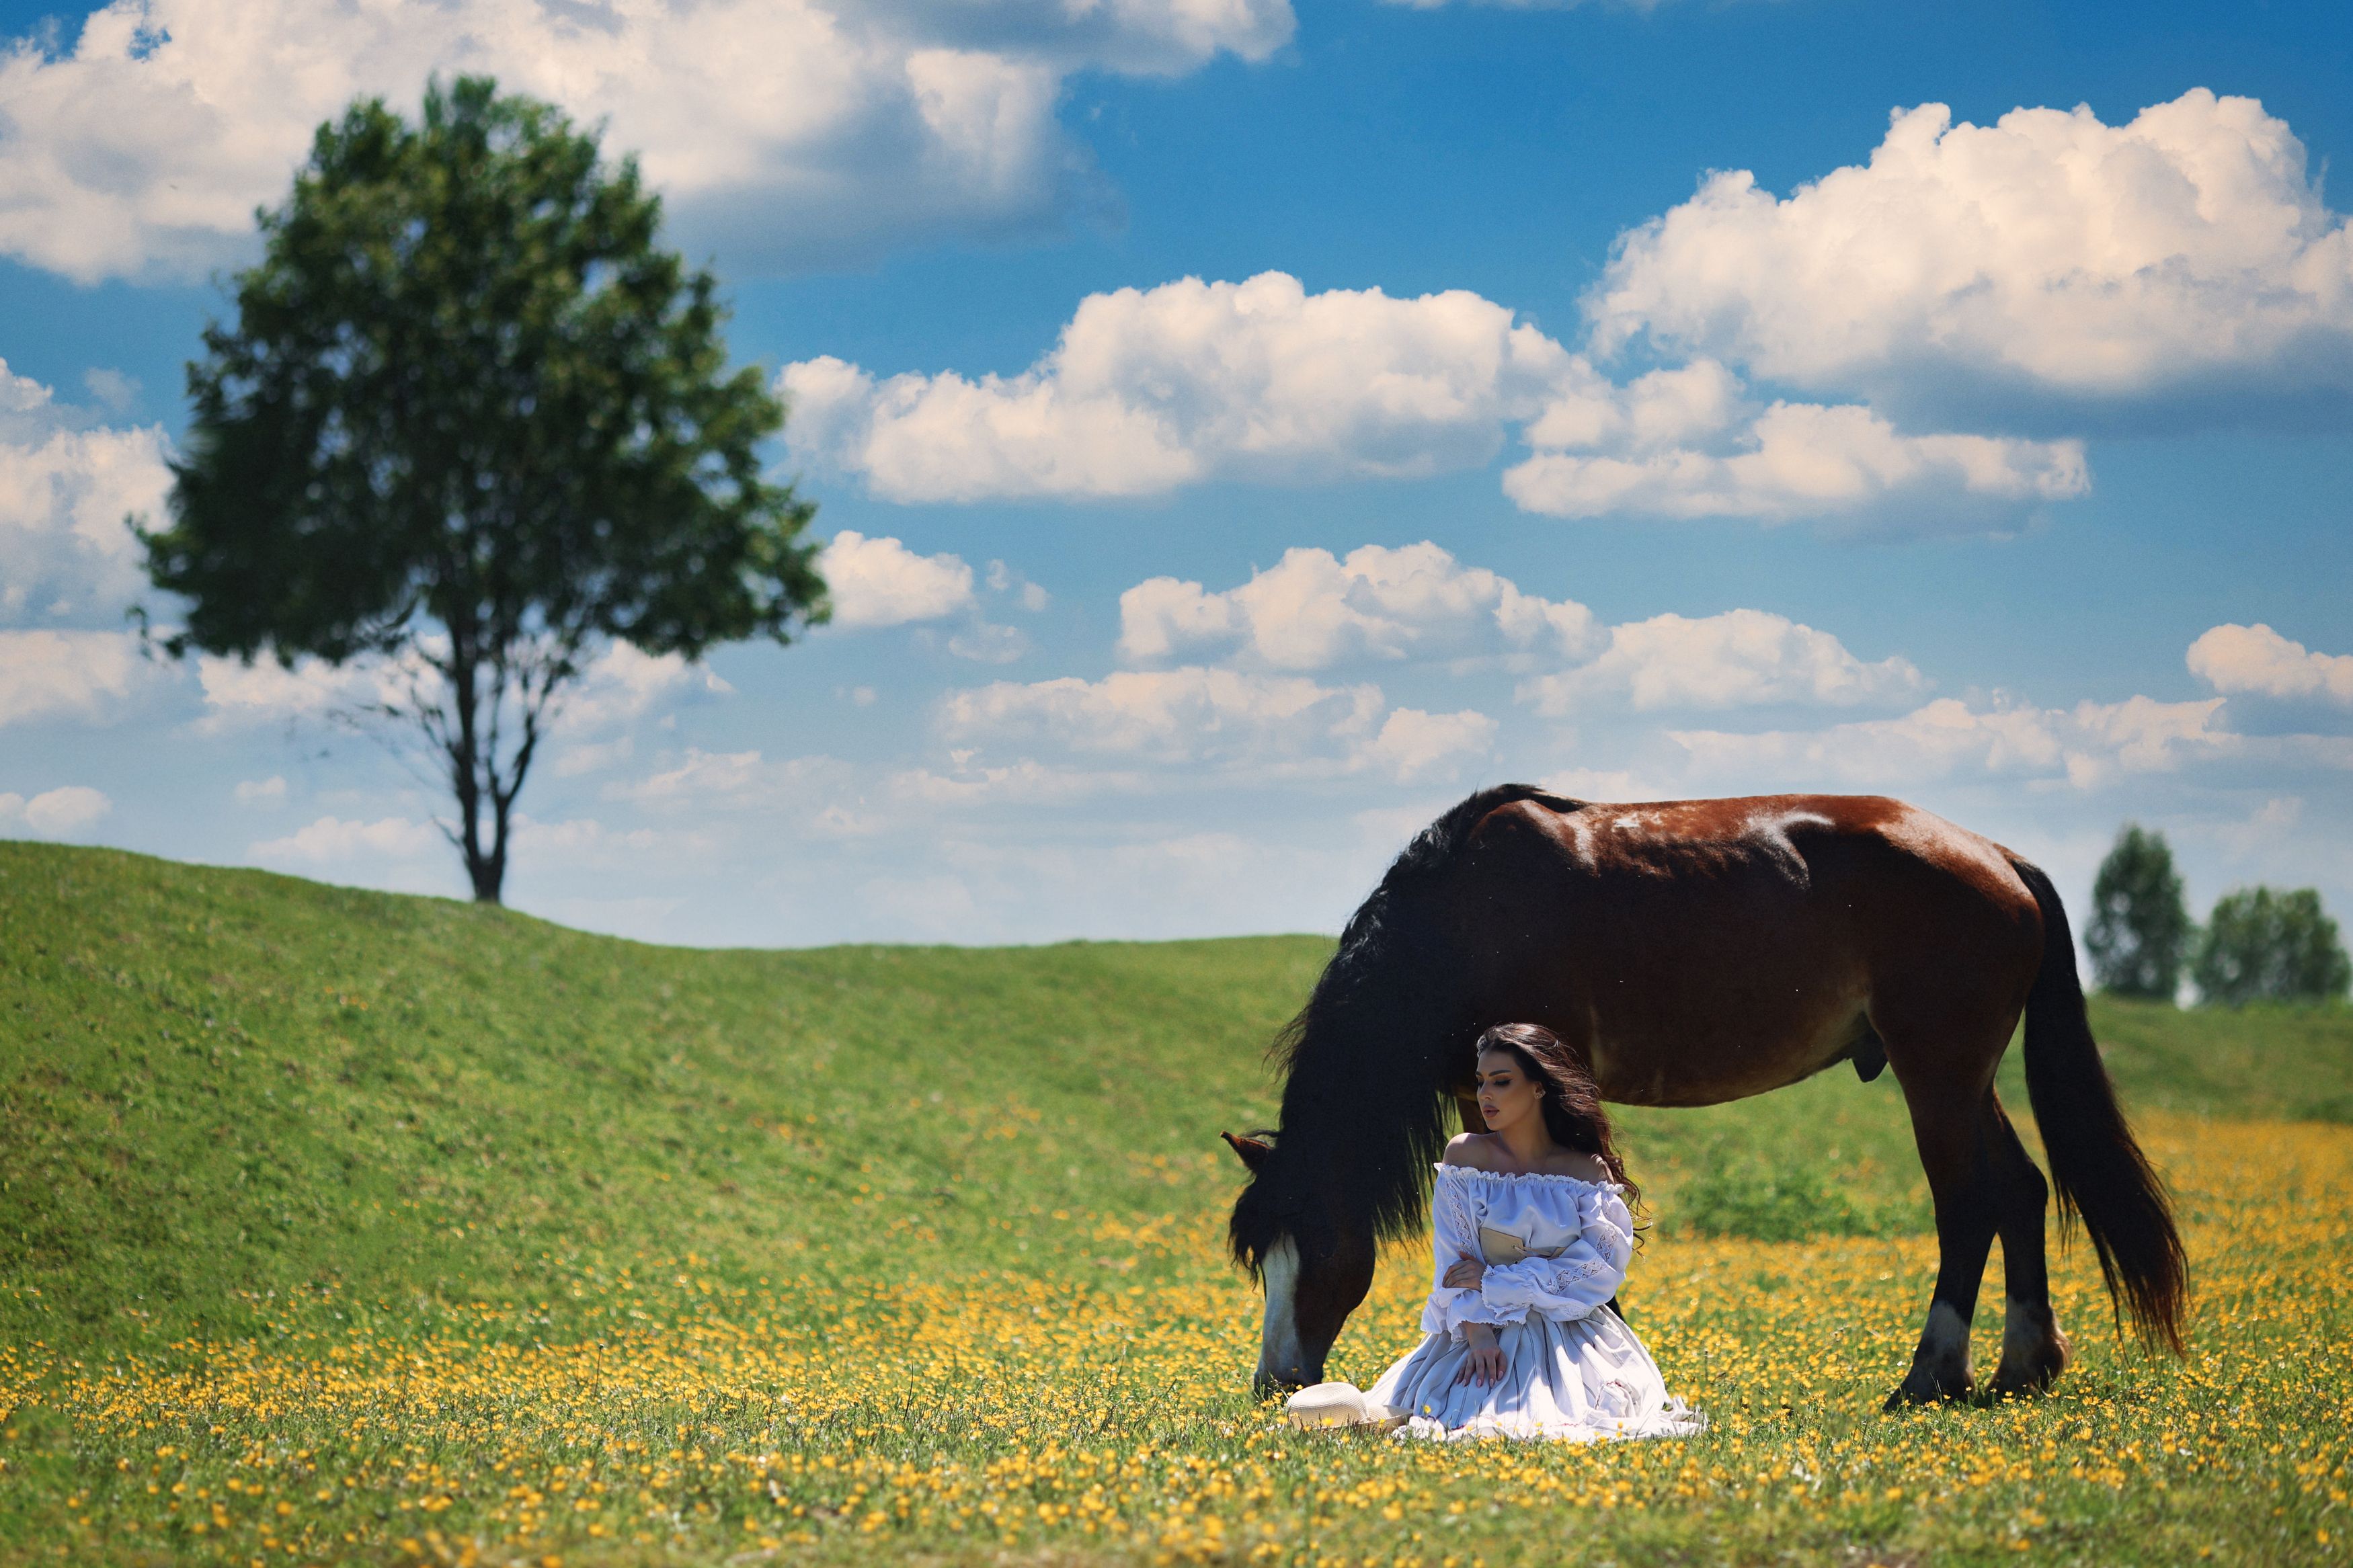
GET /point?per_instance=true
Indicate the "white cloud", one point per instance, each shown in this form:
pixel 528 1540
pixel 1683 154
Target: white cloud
pixel 51 675
pixel 737 781
pixel 802 132
pixel 1189 714
pixel 621 683
pixel 1614 786
pixel 1025 783
pixel 1003 579
pixel 1412 742
pixel 983 642
pixel 1794 460
pixel 2256 659
pixel 58 812
pixel 265 691
pixel 1312 611
pixel 2047 252
pixel 331 840
pixel 1738 658
pixel 624 682
pixel 269 792
pixel 1149 390
pixel 65 486
pixel 2087 746
pixel 1226 719
pixel 881 582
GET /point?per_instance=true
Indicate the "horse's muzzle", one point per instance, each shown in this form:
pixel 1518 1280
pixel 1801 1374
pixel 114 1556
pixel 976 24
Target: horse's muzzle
pixel 1291 1380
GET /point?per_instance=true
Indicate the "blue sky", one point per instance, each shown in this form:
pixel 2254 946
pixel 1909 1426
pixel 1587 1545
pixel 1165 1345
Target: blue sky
pixel 1992 455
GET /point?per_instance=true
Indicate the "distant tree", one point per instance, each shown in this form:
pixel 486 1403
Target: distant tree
pixel 2260 945
pixel 472 419
pixel 2140 928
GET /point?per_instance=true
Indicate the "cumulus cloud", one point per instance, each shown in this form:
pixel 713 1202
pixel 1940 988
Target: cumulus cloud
pixel 1226 719
pixel 1413 743
pixel 237 694
pixel 881 582
pixel 1024 783
pixel 1312 610
pixel 1839 463
pixel 67 482
pixel 1738 658
pixel 624 682
pixel 2256 659
pixel 621 683
pixel 2088 266
pixel 2086 746
pixel 54 813
pixel 1150 389
pixel 332 839
pixel 74 675
pixel 737 781
pixel 798 132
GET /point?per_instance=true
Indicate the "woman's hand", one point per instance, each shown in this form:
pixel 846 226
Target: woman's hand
pixel 1465 1274
pixel 1484 1364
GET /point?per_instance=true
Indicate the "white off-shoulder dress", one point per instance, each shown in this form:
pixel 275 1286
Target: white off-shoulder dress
pixel 1555 1249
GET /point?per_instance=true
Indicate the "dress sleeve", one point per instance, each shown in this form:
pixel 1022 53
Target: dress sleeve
pixel 1453 1235
pixel 1585 1275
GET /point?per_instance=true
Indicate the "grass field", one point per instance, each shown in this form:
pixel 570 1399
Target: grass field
pixel 340 1227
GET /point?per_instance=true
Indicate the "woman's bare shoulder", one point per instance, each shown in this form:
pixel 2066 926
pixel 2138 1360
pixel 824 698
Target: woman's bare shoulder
pixel 1584 1167
pixel 1475 1150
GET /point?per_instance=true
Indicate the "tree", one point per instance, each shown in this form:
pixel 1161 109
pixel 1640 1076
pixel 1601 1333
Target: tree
pixel 2140 927
pixel 474 422
pixel 2260 945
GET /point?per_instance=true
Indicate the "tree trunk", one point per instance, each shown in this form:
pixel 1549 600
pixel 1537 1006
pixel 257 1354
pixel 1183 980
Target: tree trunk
pixel 486 868
pixel 488 871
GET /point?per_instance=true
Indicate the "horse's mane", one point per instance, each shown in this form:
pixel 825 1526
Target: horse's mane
pixel 1366 1062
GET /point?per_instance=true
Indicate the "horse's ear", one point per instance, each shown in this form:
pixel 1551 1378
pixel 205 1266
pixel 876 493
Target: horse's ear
pixel 1251 1152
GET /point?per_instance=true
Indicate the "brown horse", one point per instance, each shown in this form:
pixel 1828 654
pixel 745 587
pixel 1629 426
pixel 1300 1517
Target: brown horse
pixel 1698 952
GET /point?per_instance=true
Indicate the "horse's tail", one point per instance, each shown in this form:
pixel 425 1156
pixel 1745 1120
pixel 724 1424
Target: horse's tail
pixel 2100 1171
pixel 1367 1061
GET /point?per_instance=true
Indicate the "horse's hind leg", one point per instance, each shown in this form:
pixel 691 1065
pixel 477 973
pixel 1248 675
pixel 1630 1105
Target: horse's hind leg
pixel 1948 1124
pixel 2033 1351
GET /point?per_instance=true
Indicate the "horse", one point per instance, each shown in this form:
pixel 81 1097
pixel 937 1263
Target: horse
pixel 1693 953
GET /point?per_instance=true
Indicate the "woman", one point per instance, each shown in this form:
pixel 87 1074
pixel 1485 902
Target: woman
pixel 1532 1236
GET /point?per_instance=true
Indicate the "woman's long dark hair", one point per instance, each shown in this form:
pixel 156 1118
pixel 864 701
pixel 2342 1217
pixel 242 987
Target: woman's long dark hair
pixel 1572 1100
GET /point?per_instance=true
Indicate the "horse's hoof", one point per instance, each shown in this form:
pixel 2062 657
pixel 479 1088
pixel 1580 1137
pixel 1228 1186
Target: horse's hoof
pixel 2031 1384
pixel 1909 1394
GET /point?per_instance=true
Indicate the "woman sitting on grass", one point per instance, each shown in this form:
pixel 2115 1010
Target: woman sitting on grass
pixel 1532 1237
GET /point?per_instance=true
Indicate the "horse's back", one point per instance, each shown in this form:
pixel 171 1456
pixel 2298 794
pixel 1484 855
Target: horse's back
pixel 1708 949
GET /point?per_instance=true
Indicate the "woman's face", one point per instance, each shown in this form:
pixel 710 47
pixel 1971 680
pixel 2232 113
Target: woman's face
pixel 1507 1092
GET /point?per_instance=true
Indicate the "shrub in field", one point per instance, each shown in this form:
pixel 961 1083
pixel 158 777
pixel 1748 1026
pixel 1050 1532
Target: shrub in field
pixel 2140 927
pixel 2261 945
pixel 1757 1202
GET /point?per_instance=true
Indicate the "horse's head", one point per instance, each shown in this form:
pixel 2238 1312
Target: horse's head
pixel 1295 1230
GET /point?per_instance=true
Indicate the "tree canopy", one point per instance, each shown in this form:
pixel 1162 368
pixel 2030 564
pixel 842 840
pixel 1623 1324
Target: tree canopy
pixel 2140 930
pixel 2262 945
pixel 474 420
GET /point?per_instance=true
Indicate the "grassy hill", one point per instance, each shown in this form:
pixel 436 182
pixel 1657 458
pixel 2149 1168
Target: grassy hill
pixel 221 1090
pixel 218 1085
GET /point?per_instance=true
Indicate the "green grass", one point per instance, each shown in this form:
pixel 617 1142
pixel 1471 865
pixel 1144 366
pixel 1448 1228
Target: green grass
pixel 245 1111
pixel 216 1086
